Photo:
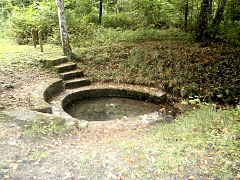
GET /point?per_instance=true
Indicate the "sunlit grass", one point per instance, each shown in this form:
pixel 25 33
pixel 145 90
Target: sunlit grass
pixel 11 53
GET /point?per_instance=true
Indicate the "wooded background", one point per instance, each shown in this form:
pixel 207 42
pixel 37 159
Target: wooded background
pixel 206 20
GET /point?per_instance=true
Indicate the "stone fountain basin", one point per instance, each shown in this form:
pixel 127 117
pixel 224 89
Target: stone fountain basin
pixel 54 98
pixel 106 90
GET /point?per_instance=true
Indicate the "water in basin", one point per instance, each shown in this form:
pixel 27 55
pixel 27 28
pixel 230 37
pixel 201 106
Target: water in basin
pixel 109 108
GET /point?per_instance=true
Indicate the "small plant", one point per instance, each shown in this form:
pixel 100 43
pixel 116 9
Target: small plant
pixel 194 100
pixel 38 155
pixel 85 160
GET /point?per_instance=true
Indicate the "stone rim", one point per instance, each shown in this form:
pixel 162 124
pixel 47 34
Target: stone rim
pixel 113 90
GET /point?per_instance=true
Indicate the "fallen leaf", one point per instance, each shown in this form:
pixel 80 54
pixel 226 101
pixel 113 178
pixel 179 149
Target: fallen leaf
pixel 128 160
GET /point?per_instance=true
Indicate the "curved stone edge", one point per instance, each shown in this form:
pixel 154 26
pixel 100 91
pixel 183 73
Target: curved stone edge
pixel 115 92
pixel 152 95
pixel 40 98
pixel 54 88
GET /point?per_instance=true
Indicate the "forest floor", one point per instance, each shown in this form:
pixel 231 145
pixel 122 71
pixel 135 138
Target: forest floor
pixel 203 143
pixel 181 68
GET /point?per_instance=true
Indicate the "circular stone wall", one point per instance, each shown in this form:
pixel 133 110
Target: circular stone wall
pixel 91 94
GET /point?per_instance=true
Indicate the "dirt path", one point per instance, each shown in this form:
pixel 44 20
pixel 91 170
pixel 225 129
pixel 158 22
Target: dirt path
pixel 102 153
pixel 16 84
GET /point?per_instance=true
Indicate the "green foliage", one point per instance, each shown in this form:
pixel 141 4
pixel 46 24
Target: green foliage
pixel 224 95
pixel 103 36
pixel 194 100
pixel 79 7
pixel 230 33
pixel 82 17
pixel 91 18
pixel 233 10
pixel 122 20
pixel 155 13
pixel 5 9
pixel 40 16
pixel 80 30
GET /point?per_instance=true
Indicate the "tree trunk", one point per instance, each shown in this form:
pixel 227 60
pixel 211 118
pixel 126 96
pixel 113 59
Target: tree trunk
pixel 63 28
pixel 203 21
pixel 218 18
pixel 211 10
pixel 219 14
pixel 100 11
pixel 186 15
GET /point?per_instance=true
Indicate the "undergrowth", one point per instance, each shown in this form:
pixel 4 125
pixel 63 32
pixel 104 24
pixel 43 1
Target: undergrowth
pixel 165 60
pixel 107 36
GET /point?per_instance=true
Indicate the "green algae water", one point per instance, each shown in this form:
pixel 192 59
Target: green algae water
pixel 109 108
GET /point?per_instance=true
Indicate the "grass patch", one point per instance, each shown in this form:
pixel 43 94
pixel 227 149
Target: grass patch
pixel 38 155
pixel 43 128
pixel 12 54
pixel 125 144
pixel 204 140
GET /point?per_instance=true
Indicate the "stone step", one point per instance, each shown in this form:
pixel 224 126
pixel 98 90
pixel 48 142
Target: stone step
pixel 75 83
pixel 49 62
pixel 71 74
pixel 65 67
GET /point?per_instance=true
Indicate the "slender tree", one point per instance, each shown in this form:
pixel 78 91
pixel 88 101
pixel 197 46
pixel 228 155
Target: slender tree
pixel 219 14
pixel 218 18
pixel 63 28
pixel 211 8
pixel 186 15
pixel 203 20
pixel 100 11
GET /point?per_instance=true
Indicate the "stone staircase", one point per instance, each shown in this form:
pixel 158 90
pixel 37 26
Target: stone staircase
pixel 72 77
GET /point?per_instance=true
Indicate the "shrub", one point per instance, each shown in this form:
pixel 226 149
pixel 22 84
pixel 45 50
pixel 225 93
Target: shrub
pixel 120 20
pixel 40 16
pixel 80 30
pixel 91 18
pixel 156 13
pixel 231 33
